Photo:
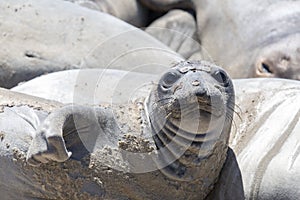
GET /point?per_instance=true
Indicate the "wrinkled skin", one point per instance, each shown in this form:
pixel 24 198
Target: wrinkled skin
pixel 265 140
pixel 248 38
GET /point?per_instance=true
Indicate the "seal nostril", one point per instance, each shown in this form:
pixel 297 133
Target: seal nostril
pixel 201 93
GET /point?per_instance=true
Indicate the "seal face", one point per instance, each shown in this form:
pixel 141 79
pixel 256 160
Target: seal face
pixel 280 59
pixel 191 113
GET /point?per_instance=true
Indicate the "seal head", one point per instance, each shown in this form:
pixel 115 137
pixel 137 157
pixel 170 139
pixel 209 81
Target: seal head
pixel 190 111
pixel 280 59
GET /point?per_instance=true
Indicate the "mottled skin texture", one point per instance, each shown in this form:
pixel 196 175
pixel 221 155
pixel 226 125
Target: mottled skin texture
pixel 248 38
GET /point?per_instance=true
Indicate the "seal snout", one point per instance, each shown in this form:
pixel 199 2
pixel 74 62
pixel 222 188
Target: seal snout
pixel 280 60
pixel 200 90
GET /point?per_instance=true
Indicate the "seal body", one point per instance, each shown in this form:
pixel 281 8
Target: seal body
pixel 57 139
pixel 264 132
pixel 248 38
pixel 264 139
pixel 272 137
pixel 76 38
pixel 251 38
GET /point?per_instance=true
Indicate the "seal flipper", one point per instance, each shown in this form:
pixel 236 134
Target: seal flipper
pixel 71 131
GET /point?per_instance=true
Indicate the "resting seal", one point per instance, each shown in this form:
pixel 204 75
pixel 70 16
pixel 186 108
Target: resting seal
pixel 249 38
pixel 76 38
pixel 190 112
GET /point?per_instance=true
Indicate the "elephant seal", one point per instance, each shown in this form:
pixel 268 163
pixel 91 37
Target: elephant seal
pixel 188 92
pixel 71 128
pixel 253 137
pixel 77 37
pixel 258 109
pixel 248 38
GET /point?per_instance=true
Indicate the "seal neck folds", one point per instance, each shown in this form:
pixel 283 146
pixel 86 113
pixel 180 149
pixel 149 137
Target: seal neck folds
pixel 190 111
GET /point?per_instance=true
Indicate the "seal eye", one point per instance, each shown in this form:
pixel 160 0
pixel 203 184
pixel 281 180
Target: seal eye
pixel 221 77
pixel 265 68
pixel 169 79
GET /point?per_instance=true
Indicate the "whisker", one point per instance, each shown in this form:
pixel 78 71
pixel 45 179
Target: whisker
pixel 236 105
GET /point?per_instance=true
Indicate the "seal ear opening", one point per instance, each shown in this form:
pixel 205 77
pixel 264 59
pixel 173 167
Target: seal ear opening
pixel 72 139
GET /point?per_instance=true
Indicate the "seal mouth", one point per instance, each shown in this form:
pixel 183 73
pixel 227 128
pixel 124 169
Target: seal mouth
pixel 198 108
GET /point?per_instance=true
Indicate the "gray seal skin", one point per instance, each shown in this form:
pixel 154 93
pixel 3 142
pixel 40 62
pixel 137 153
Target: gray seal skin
pixel 178 30
pixel 248 38
pixel 55 138
pixel 74 38
pixel 265 140
pixel 88 86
